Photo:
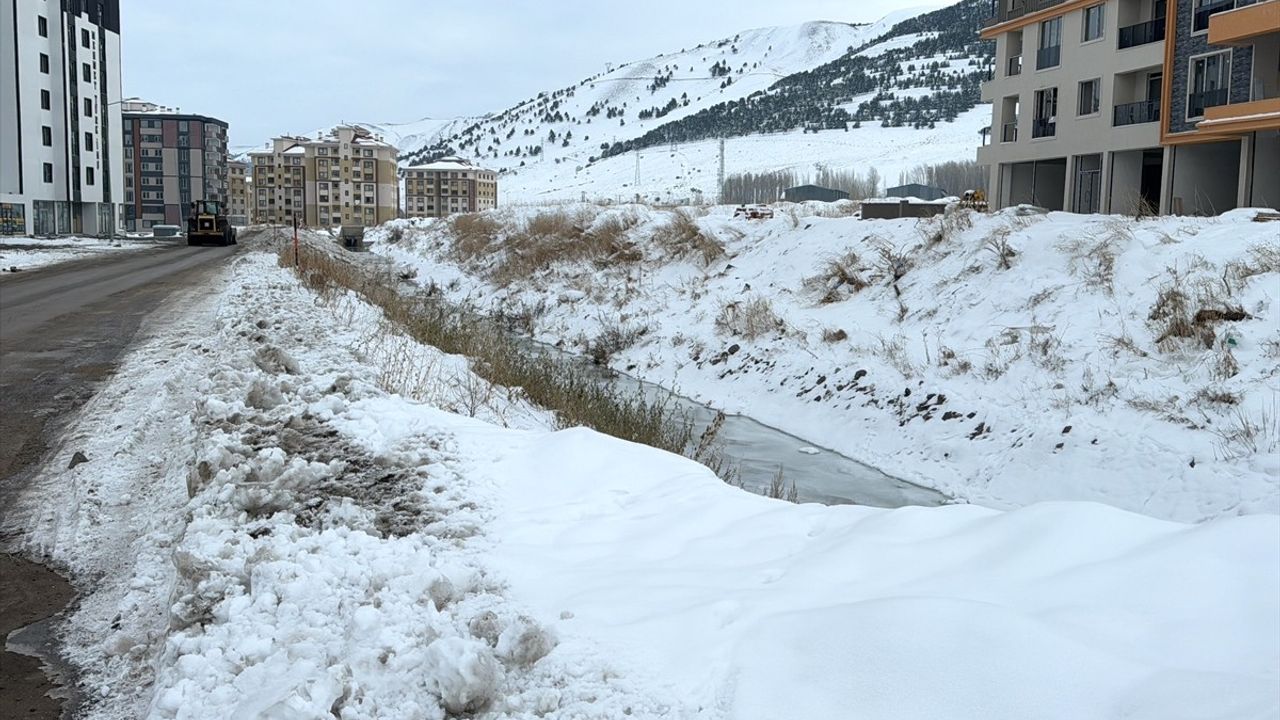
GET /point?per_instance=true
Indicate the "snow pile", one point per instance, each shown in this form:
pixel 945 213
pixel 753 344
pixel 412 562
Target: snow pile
pixel 765 610
pixel 1004 359
pixel 28 253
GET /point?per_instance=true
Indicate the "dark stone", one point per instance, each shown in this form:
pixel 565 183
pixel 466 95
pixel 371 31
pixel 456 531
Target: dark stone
pixel 1059 446
pixel 734 348
pixel 951 415
pixel 1066 430
pixel 77 459
pixel 859 375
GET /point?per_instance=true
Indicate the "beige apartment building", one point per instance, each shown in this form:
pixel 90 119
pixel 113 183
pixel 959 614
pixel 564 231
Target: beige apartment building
pixel 1120 106
pixel 239 191
pixel 344 177
pixel 449 185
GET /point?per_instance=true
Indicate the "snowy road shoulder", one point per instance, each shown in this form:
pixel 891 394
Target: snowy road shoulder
pixel 27 253
pixel 280 521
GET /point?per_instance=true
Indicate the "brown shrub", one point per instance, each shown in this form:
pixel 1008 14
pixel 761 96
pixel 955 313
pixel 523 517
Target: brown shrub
pixel 682 237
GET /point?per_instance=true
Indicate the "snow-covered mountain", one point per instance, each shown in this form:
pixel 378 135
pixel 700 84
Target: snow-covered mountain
pixel 824 94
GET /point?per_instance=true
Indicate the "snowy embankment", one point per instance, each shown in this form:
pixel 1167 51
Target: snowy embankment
pixel 1004 359
pixel 28 253
pixel 267 526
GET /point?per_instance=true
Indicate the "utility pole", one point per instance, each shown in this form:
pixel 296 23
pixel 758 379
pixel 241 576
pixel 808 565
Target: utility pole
pixel 637 184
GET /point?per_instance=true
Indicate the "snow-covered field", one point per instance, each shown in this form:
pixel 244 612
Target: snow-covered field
pixel 1018 357
pixel 680 172
pixel 269 527
pixel 28 253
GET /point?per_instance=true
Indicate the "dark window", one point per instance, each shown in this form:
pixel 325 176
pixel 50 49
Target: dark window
pixel 48 172
pixel 1093 22
pixel 44 63
pixel 42 26
pixel 1046 118
pixel 88 107
pixel 88 176
pixel 46 136
pixel 88 142
pixel 84 38
pixel 86 72
pixel 46 100
pixel 1090 97
pixel 1050 52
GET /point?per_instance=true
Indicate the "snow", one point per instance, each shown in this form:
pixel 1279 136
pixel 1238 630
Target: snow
pixel 1045 381
pixel 29 253
pixel 280 519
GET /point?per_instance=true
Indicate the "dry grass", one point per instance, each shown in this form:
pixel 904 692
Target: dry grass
pixel 749 319
pixel 683 238
pixel 473 235
pixel 840 277
pixel 614 337
pixel 1244 435
pixel 555 382
pixel 834 335
pixel 1184 310
pixel 997 243
pixel 1092 258
pixel 780 489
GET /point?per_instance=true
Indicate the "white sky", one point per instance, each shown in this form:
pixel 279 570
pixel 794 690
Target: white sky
pixel 270 67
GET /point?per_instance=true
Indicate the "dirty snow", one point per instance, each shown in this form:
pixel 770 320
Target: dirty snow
pixel 280 520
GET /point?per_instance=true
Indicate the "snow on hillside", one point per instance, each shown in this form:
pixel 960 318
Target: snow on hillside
pixel 416 133
pixel 1003 359
pixel 687 173
pixel 266 528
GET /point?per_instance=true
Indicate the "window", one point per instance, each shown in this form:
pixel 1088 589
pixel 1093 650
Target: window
pixel 1205 9
pixel 48 172
pixel 84 37
pixel 1046 120
pixel 1094 17
pixel 88 142
pixel 44 63
pixel 368 153
pixel 46 136
pixel 42 25
pixel 1090 97
pixel 88 176
pixel 86 72
pixel 46 100
pixel 88 107
pixel 1050 53
pixel 1210 83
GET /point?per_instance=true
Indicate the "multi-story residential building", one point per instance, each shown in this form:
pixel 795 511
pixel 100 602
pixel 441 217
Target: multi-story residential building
pixel 1124 105
pixel 345 177
pixel 170 159
pixel 239 191
pixel 61 159
pixel 449 185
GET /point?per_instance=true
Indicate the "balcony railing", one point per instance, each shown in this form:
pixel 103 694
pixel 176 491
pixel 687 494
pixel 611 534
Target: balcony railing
pixel 1207 99
pixel 1003 11
pixel 1142 33
pixel 1009 132
pixel 1048 57
pixel 1201 21
pixel 1044 127
pixel 1015 65
pixel 1146 111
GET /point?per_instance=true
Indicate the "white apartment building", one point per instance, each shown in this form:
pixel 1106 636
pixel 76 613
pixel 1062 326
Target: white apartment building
pixel 61 145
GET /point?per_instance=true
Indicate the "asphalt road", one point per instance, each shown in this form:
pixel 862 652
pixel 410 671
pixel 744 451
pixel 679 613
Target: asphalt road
pixel 62 331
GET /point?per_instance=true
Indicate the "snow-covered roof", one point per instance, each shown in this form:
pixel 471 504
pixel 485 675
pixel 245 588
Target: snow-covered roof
pixel 450 163
pixel 296 150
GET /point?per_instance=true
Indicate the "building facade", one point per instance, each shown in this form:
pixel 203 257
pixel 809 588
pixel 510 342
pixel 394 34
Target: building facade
pixel 449 185
pixel 170 160
pixel 61 154
pixel 345 177
pixel 239 192
pixel 1128 106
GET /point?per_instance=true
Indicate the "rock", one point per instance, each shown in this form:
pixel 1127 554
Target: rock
pixel 77 459
pixel 734 348
pixel 1066 430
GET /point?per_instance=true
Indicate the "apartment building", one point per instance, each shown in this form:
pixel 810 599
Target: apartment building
pixel 449 185
pixel 344 177
pixel 171 158
pixel 61 158
pixel 239 192
pixel 1120 105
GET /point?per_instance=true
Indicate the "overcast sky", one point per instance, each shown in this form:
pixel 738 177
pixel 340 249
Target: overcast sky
pixel 270 67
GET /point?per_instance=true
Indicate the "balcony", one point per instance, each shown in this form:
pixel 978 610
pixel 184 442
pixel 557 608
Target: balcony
pixel 1201 19
pixel 1147 111
pixel 1004 11
pixel 1043 128
pixel 1242 118
pixel 1009 132
pixel 1142 33
pixel 1048 57
pixel 1015 66
pixel 1197 102
pixel 1246 24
